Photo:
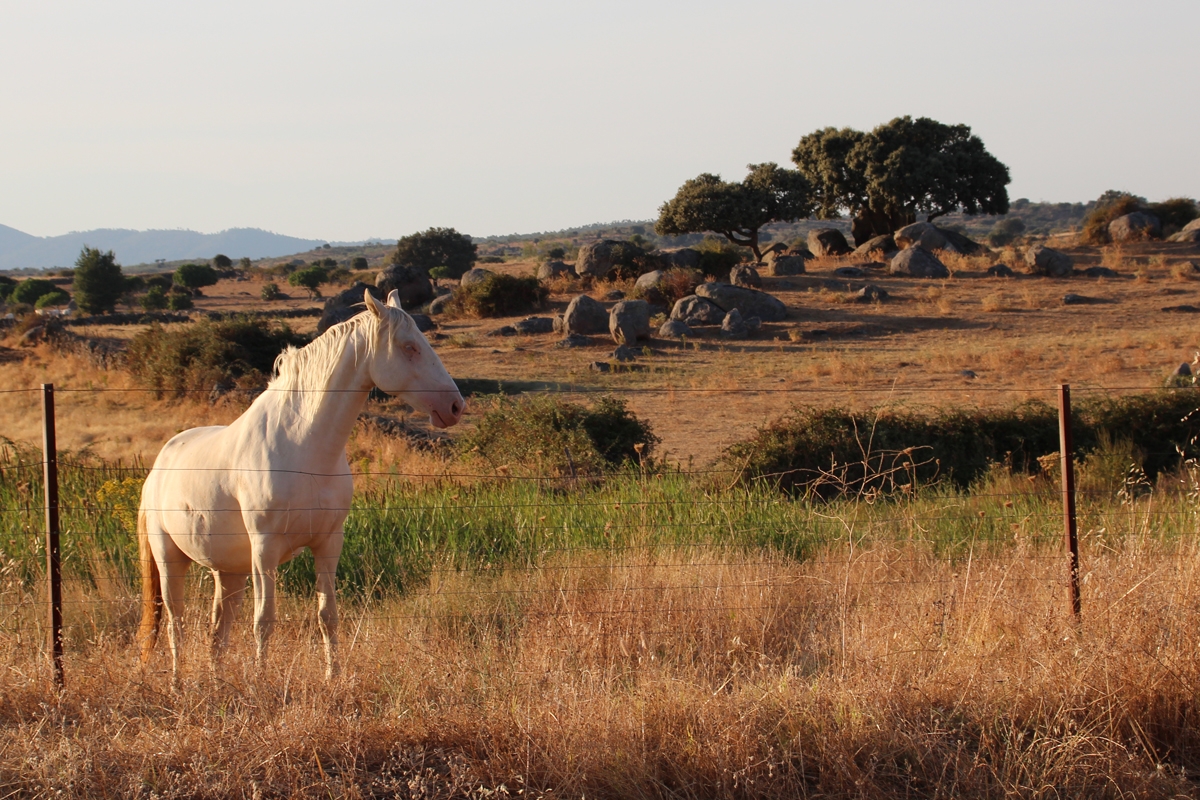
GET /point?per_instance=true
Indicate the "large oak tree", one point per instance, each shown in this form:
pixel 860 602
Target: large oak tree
pixel 884 178
pixel 736 210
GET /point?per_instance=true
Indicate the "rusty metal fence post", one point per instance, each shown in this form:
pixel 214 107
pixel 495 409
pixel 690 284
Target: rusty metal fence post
pixel 1066 452
pixel 53 554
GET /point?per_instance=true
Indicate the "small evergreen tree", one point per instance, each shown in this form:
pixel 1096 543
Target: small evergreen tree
pixel 99 283
pixel 195 276
pixel 436 247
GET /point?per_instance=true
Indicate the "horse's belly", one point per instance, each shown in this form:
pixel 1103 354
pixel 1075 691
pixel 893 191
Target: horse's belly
pixel 215 540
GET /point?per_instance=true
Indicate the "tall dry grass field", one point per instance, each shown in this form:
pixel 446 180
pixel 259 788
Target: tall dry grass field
pixel 686 647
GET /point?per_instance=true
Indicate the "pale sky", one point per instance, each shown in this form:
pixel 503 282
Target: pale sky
pixel 351 120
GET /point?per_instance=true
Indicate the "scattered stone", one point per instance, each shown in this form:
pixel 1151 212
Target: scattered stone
pixel 1136 227
pixel 1100 272
pixel 346 304
pixel 828 242
pixel 685 257
pixel 750 302
pixel 1181 309
pixel 967 373
pixel 33 336
pixel 424 323
pixel 961 244
pixel 1192 236
pixel 535 325
pixel 410 283
pixel 573 340
pixel 870 294
pixel 733 327
pixel 586 316
pixel 1184 370
pixel 1042 260
pixel 613 296
pixel 629 321
pixel 650 280
pixel 777 264
pixel 558 323
pixel 1076 300
pixel 884 244
pixel 475 276
pixel 849 272
pixel 624 354
pixel 1000 271
pixel 675 329
pixel 554 269
pixel 438 305
pixel 596 259
pixel 921 233
pixel 694 310
pixel 600 366
pixel 745 276
pixel 917 262
pixel 503 330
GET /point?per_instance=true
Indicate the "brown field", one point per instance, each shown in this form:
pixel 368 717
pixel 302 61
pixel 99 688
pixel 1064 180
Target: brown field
pixel 1015 334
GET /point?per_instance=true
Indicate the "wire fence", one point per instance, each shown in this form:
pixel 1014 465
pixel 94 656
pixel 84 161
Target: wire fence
pixel 665 554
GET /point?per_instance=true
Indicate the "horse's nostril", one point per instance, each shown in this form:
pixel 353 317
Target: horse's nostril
pixel 455 409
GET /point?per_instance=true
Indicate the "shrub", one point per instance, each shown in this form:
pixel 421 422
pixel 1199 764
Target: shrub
pixel 1109 206
pixel 30 290
pixel 359 264
pixel 195 276
pixel 177 301
pixel 556 253
pixel 271 292
pixel 499 296
pixel 718 256
pixel 163 282
pixel 310 279
pixel 99 283
pixel 221 261
pixel 630 260
pixel 245 262
pixel 155 299
pixel 1175 213
pixel 1006 231
pixel 484 260
pixel 7 285
pixel 441 272
pixel 547 436
pixel 829 451
pixel 56 298
pixel 193 358
pixel 436 247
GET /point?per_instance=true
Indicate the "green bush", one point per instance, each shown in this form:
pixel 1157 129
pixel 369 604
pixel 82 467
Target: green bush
pixel 832 451
pixel 309 278
pixel 98 281
pixel 483 260
pixel 56 298
pixel 1005 231
pixel 221 261
pixel 155 299
pixel 499 296
pixel 1175 213
pixel 271 292
pixel 195 276
pixel 1109 206
pixel 7 285
pixel 359 264
pixel 718 256
pixel 195 357
pixel 545 435
pixel 441 272
pixel 177 301
pixel 436 247
pixel 30 290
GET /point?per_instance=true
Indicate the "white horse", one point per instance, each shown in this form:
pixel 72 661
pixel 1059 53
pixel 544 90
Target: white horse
pixel 244 498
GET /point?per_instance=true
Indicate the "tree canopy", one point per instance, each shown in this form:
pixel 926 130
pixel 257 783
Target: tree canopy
pixel 905 167
pixel 737 210
pixel 195 276
pixel 222 261
pixel 99 283
pixel 436 247
pixel 309 278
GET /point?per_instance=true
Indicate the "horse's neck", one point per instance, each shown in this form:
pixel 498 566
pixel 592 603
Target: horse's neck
pixel 321 412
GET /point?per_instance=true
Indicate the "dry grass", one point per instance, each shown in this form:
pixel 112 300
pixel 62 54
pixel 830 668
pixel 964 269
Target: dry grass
pixel 878 672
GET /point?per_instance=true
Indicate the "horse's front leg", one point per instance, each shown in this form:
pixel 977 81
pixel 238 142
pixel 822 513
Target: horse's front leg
pixel 326 552
pixel 264 564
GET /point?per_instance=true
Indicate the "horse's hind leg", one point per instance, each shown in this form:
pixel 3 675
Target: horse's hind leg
pixel 325 555
pixel 230 588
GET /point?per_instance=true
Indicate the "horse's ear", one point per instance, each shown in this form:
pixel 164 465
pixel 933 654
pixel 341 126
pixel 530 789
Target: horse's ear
pixel 393 299
pixel 373 304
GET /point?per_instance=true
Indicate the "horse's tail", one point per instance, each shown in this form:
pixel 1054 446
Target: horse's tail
pixel 151 591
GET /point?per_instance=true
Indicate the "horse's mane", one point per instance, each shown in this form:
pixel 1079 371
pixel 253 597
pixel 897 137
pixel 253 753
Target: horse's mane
pixel 305 372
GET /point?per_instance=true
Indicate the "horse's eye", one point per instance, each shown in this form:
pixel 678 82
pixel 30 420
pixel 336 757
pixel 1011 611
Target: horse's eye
pixel 410 350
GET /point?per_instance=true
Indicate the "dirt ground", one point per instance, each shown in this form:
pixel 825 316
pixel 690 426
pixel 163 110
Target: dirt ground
pixel 970 339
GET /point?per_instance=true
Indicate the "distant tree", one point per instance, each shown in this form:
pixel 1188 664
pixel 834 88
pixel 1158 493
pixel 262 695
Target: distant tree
pixel 1175 213
pixel 436 247
pixel 56 298
pixel 222 261
pixel 245 262
pixel 327 263
pixel 99 283
pixel 556 253
pixel 178 301
pixel 271 292
pixel 155 299
pixel 309 279
pixel 737 210
pixel 7 285
pixel 30 290
pixel 1005 231
pixel 884 178
pixel 359 264
pixel 195 276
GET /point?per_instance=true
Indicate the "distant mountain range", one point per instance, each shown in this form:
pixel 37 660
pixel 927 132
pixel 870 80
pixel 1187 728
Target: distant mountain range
pixel 19 249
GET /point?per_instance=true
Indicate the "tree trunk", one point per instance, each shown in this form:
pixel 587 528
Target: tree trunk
pixel 868 224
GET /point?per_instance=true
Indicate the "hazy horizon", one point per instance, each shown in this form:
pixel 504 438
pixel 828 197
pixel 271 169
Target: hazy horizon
pixel 342 122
